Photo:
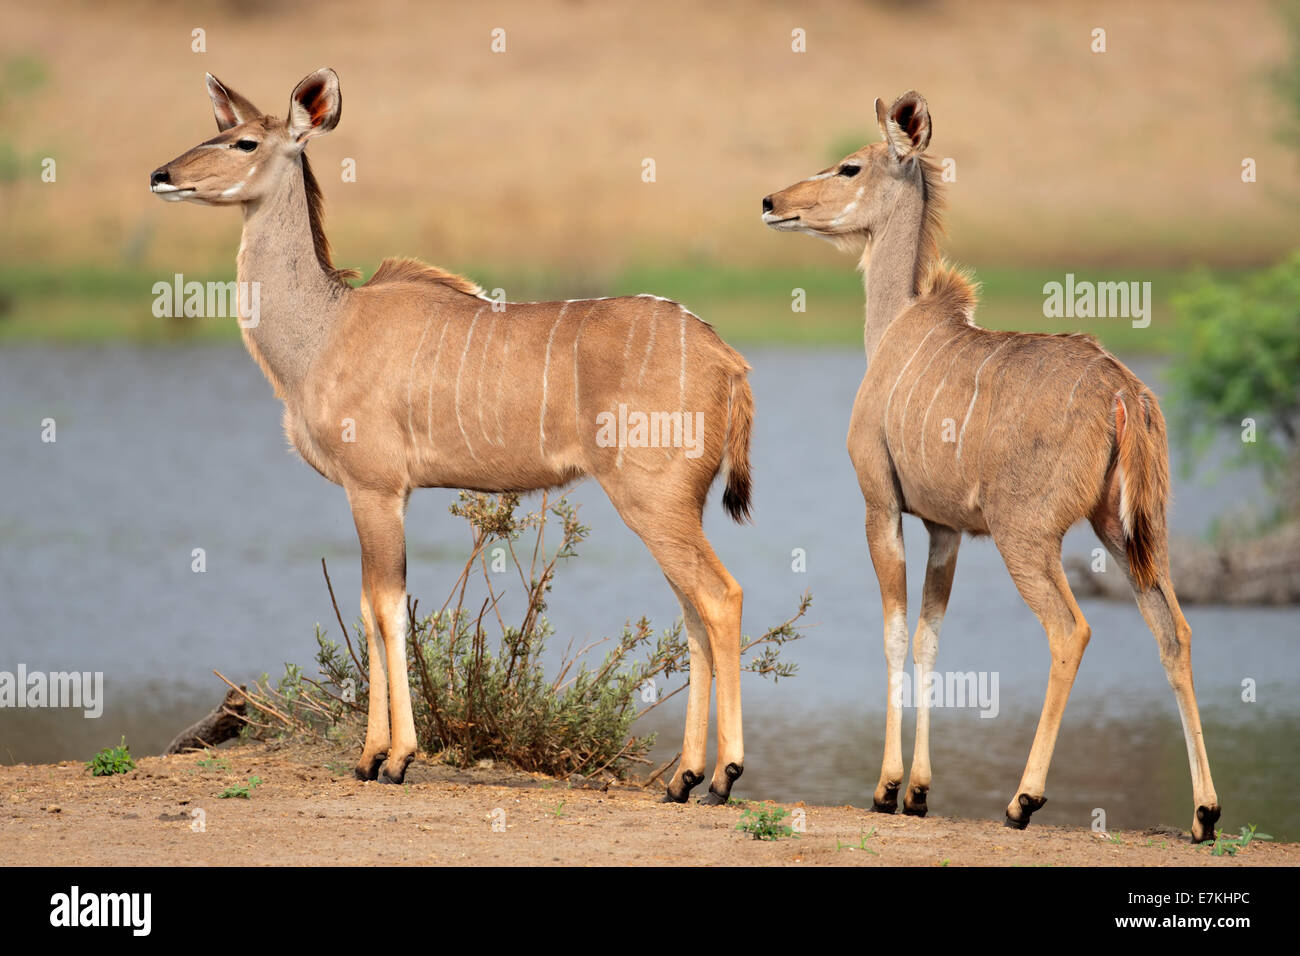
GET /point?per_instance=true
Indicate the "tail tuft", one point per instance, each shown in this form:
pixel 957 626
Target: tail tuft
pixel 735 459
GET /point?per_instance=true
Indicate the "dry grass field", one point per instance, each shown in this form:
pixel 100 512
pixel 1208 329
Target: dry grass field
pixel 529 161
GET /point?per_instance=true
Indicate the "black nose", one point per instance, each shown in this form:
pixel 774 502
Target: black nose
pixel 767 203
pixel 162 176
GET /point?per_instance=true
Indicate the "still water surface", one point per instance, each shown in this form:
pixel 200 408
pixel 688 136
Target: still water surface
pixel 161 450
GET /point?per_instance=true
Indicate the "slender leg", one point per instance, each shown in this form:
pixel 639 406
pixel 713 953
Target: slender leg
pixel 1041 580
pixel 677 543
pixel 1159 607
pixel 885 540
pixel 925 648
pixel 379 517
pixel 725 600
pixel 690 771
pixel 377 737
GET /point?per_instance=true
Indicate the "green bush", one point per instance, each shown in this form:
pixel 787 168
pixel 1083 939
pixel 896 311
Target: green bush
pixel 479 689
pixel 1239 358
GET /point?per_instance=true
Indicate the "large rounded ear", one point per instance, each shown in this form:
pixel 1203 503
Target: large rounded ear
pixel 315 105
pixel 230 108
pixel 905 125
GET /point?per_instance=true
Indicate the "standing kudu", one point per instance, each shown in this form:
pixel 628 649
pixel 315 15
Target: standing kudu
pixel 414 379
pixel 1013 435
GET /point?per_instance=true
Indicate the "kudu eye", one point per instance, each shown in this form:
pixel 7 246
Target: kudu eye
pixel 247 145
pixel 849 170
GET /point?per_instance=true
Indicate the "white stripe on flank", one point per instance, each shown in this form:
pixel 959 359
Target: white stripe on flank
pixel 627 349
pixel 943 381
pixel 501 377
pixel 1070 404
pixel 410 381
pixel 649 344
pixel 890 401
pixel 482 370
pixel 577 336
pixel 681 379
pixel 546 368
pixel 433 375
pixel 961 436
pixel 902 424
pixel 469 337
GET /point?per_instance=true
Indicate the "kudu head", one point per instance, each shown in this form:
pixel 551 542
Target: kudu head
pixel 850 202
pixel 248 159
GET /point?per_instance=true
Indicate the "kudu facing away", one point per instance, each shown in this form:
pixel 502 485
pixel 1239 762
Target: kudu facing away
pixel 1013 435
pixel 414 380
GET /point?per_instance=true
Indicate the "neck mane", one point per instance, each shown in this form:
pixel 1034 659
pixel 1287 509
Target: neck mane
pixel 901 262
pixel 299 292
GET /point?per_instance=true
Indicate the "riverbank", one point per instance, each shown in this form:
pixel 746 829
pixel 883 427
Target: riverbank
pixel 307 809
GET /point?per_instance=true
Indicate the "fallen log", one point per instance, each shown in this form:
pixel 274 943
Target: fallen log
pixel 222 724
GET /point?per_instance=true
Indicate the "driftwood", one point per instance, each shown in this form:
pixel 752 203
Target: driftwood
pixel 1265 570
pixel 222 724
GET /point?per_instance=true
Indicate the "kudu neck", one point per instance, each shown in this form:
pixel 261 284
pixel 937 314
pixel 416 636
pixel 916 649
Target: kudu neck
pixel 298 299
pixel 891 263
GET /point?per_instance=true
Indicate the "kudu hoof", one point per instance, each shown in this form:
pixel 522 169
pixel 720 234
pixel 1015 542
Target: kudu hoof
pixel 717 796
pixel 388 774
pixel 914 805
pixel 369 769
pixel 890 802
pixel 687 783
pixel 1027 806
pixel 1203 825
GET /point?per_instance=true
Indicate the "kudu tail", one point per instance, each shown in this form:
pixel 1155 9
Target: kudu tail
pixel 1143 464
pixel 735 456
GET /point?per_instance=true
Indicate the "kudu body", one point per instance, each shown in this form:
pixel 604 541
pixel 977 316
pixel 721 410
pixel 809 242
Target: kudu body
pixel 415 380
pixel 1014 435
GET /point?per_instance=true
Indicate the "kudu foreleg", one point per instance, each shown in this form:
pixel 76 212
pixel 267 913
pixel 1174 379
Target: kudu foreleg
pixel 939 571
pixel 377 732
pixel 885 541
pixel 379 519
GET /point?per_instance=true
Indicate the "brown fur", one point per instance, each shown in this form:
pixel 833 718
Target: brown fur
pixel 1018 436
pixel 415 379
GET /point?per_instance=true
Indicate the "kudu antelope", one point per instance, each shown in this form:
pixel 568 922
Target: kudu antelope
pixel 414 380
pixel 1018 436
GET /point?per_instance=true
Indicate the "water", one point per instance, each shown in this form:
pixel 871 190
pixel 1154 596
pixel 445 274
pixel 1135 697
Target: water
pixel 166 449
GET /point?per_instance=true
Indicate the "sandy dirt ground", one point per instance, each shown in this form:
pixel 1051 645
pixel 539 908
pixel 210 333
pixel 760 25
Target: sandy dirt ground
pixel 308 810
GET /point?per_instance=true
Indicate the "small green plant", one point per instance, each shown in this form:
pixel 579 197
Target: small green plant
pixel 339 768
pixel 862 844
pixel 559 810
pixel 1229 846
pixel 765 823
pixel 214 763
pixel 243 793
pixel 112 760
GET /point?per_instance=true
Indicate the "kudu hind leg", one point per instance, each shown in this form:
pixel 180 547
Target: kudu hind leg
pixel 1041 582
pixel 925 649
pixel 690 771
pixel 1160 610
pixel 688 561
pixel 379 519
